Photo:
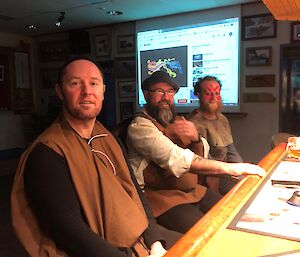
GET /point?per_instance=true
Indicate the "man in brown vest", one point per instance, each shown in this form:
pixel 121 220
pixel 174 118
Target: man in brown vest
pixel 214 126
pixel 159 146
pixel 73 193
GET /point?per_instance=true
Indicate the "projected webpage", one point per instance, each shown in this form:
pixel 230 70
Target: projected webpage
pixel 189 52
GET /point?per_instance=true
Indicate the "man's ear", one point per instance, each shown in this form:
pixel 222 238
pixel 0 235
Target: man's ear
pixel 104 88
pixel 59 91
pixel 146 94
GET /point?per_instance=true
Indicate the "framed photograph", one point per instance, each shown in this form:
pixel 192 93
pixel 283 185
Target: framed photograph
pixel 125 44
pixel 102 45
pixel 126 110
pixel 49 77
pixel 259 56
pixel 295 32
pixel 1 72
pixel 54 51
pixel 6 77
pixel 126 88
pixel 258 26
pixel 266 80
pixel 106 66
pixel 259 97
pixel 125 68
pixel 22 71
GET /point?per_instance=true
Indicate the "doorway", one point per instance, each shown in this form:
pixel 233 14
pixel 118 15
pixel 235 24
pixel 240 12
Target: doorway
pixel 289 111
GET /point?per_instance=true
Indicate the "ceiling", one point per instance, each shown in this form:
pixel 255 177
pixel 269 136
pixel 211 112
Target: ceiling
pixel 15 15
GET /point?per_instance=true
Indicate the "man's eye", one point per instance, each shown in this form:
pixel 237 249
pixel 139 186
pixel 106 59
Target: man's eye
pixel 217 93
pixel 75 83
pixel 159 91
pixel 94 83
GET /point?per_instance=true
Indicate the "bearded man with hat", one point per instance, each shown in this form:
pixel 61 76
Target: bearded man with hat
pixel 166 154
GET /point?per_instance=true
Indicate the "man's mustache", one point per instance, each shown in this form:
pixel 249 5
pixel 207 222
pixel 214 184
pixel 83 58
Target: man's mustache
pixel 164 102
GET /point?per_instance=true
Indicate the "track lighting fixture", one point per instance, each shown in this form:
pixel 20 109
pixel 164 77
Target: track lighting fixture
pixel 60 19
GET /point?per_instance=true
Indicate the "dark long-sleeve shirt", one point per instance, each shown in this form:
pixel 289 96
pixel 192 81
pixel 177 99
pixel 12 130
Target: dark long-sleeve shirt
pixel 53 198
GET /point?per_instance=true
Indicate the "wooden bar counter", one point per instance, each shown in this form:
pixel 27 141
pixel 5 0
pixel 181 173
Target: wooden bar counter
pixel 210 237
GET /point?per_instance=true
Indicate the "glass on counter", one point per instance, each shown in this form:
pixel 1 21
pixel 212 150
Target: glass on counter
pixel 293 147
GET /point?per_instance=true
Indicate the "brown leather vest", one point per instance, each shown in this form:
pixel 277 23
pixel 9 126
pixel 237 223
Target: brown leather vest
pixel 107 195
pixel 162 189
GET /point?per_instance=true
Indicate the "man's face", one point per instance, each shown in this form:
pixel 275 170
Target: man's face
pixel 160 102
pixel 82 90
pixel 211 96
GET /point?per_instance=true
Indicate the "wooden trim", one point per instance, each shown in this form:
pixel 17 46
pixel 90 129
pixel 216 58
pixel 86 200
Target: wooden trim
pixel 235 114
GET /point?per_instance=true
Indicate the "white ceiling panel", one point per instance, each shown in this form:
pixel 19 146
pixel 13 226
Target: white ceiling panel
pixel 89 13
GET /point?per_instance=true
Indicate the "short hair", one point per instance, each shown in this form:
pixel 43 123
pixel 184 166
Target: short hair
pixel 198 85
pixel 62 70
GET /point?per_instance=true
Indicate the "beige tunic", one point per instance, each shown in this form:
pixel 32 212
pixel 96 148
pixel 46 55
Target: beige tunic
pixel 217 132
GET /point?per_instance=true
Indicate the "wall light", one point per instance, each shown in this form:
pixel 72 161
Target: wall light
pixel 60 19
pixel 114 13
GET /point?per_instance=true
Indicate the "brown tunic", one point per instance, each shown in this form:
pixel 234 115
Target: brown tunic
pixel 110 202
pixel 162 189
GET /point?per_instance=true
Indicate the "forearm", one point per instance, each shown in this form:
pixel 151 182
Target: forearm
pixel 205 166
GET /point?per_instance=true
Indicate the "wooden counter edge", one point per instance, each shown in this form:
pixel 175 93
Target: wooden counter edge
pixel 194 240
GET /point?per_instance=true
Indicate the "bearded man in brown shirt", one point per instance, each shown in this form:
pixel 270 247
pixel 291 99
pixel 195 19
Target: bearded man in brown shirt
pixel 214 126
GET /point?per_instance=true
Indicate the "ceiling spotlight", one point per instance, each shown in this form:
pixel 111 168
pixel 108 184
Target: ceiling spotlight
pixel 31 27
pixel 114 13
pixel 60 19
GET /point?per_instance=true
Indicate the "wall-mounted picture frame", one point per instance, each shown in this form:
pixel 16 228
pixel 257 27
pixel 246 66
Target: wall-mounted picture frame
pixel 125 44
pixel 265 80
pixel 126 110
pixel 258 97
pixel 1 72
pixel 102 45
pixel 258 26
pixel 259 56
pixel 49 77
pixel 22 70
pixel 295 32
pixel 54 51
pixel 126 88
pixel 125 68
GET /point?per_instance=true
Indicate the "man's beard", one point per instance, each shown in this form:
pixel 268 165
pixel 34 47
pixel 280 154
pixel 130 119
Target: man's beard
pixel 81 114
pixel 164 116
pixel 211 108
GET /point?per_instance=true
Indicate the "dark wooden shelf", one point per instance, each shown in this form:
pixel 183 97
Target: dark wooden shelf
pixel 235 114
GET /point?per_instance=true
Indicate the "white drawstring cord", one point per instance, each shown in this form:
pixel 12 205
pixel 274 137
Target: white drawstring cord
pixel 105 155
pixel 100 135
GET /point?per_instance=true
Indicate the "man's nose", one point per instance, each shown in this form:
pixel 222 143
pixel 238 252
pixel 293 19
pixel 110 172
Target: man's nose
pixel 213 96
pixel 166 95
pixel 86 88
